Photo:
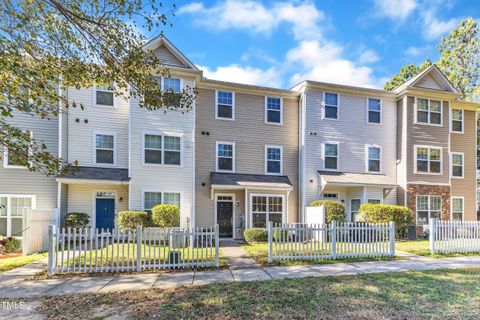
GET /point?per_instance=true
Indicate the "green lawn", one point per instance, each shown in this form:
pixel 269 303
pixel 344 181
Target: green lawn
pixel 434 294
pixel 12 263
pixel 421 248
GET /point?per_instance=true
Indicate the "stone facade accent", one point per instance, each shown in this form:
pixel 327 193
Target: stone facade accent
pixel 424 190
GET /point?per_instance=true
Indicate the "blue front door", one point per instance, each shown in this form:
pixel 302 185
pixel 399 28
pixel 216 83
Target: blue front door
pixel 105 213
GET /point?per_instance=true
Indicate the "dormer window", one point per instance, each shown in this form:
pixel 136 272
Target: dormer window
pixel 429 111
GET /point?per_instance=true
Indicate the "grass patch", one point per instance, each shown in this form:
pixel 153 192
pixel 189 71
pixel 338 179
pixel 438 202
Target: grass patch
pixel 421 248
pixel 434 294
pixel 259 253
pixel 15 262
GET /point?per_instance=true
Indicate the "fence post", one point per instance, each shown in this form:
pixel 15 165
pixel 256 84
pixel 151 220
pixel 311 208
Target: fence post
pixel 431 235
pixel 139 248
pixel 270 238
pixel 51 250
pixel 217 250
pixel 334 239
pixel 392 238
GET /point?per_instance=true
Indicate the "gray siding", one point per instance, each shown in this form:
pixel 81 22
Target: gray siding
pixel 167 57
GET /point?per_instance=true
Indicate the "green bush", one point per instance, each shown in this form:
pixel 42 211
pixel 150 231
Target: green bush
pixel 77 220
pixel 334 210
pixel 255 235
pixel 280 235
pixel 383 213
pixel 129 220
pixel 10 244
pixel 166 215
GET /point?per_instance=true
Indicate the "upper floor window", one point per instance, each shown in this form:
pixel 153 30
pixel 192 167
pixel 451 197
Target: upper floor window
pixel 17 158
pixel 429 111
pixel 151 199
pixel 428 160
pixel 174 86
pixel 273 158
pixel 457 120
pixel 104 149
pixel 331 105
pixel 330 156
pixel 374 110
pixel 374 159
pixel 457 209
pixel 160 149
pixel 104 96
pixel 457 164
pixel 428 207
pixel 225 108
pixel 225 156
pixel 273 110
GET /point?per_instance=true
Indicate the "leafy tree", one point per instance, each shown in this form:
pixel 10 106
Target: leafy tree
pixel 47 46
pixel 405 74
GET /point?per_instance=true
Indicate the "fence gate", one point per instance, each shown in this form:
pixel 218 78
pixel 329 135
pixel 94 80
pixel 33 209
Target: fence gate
pixel 454 236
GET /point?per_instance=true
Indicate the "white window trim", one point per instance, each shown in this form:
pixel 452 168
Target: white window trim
pixel 451 165
pixel 114 134
pixel 266 160
pixel 5 157
pixel 9 197
pixel 415 120
pixel 162 83
pixel 233 211
pixel 451 121
pixel 367 146
pixel 93 217
pixel 284 205
pixel 233 106
pixel 415 147
pixel 367 110
pixel 233 156
pixel 379 199
pixel 350 208
pixel 266 111
pixel 323 156
pixel 324 106
pixel 162 199
pixel 429 209
pixel 335 193
pixel 463 207
pixel 163 134
pixel 94 102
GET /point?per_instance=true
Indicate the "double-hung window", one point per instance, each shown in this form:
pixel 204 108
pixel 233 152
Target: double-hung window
pixel 374 110
pixel 160 149
pixel 19 157
pixel 428 160
pixel 104 96
pixel 273 110
pixel 457 164
pixel 457 120
pixel 331 105
pixel 225 160
pixel 429 111
pixel 151 199
pixel 330 159
pixel 354 209
pixel 12 210
pixel 273 160
pixel 104 149
pixel 374 157
pixel 428 207
pixel 266 208
pixel 173 87
pixel 457 209
pixel 225 108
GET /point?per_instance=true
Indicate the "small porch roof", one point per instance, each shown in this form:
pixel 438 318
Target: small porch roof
pixel 347 179
pixel 254 181
pixel 95 175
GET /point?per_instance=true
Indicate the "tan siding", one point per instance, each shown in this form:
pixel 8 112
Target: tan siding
pixel 167 57
pixel 466 187
pixel 429 82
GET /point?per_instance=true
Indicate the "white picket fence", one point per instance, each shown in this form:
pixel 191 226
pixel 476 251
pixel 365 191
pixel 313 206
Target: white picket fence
pixel 88 250
pixel 323 241
pixel 454 236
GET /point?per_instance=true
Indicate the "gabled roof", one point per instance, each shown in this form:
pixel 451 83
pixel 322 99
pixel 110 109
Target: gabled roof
pixel 170 54
pixel 431 78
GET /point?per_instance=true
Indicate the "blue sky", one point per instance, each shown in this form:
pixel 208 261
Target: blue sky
pixel 280 43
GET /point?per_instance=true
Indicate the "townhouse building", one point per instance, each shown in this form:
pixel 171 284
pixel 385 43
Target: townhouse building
pixel 244 155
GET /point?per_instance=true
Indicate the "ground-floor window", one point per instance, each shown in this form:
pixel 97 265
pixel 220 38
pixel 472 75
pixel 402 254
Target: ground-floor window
pixel 354 209
pixel 457 209
pixel 151 199
pixel 266 208
pixel 12 210
pixel 330 196
pixel 374 201
pixel 428 207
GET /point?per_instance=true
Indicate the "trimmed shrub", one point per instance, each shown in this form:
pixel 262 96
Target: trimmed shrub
pixel 129 220
pixel 77 220
pixel 279 235
pixel 166 215
pixel 10 244
pixel 334 210
pixel 255 235
pixel 383 213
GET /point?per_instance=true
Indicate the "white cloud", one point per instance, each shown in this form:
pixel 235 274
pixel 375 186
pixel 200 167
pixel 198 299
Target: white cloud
pixel 435 28
pixel 368 56
pixel 247 75
pixel 416 51
pixel 395 9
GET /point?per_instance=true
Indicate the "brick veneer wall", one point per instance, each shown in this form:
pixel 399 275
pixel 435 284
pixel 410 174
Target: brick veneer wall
pixel 424 190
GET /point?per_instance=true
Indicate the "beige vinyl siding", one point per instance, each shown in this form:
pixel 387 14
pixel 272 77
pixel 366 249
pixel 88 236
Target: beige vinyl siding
pixel 466 187
pixel 428 135
pixel 250 135
pixel 167 57
pixel 429 82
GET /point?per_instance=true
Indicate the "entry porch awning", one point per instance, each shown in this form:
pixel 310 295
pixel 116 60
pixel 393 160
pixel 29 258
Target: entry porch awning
pixel 346 179
pixel 95 175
